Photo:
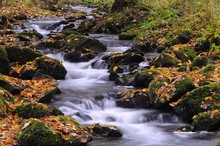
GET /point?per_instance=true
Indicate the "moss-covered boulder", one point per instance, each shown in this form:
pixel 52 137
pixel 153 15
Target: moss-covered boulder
pixel 36 110
pixel 133 99
pixel 46 132
pixel 4 62
pixel 144 77
pixel 198 62
pixel 163 91
pixel 198 100
pixel 185 54
pixel 51 67
pixel 209 68
pixel 165 60
pixel 105 131
pixel 207 121
pixel 22 55
pixel 29 35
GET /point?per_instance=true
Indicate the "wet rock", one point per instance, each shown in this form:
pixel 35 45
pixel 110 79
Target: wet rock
pixel 51 67
pixel 198 100
pixel 127 36
pixel 163 91
pixel 21 55
pixel 207 121
pixel 35 132
pixel 4 62
pixel 133 99
pixel 144 77
pixel 105 131
pixel 36 110
pixel 77 56
pixel 198 62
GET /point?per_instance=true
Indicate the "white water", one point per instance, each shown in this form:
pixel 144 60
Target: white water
pixel 87 96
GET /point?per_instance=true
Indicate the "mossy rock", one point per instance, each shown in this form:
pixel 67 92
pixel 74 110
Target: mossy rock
pixel 185 54
pixel 165 60
pixel 8 86
pixel 207 121
pixel 198 100
pixel 105 131
pixel 218 144
pixel 80 42
pixel 36 110
pixel 198 62
pixel 29 35
pixel 7 96
pixel 133 99
pixel 144 77
pixel 4 62
pixel 22 55
pixel 50 66
pixel 162 91
pixel 127 36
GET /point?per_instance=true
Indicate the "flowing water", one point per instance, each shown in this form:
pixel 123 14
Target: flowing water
pixel 88 96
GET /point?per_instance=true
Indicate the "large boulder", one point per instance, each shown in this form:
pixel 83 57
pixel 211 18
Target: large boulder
pixel 4 62
pixel 163 90
pixel 51 67
pixel 198 100
pixel 47 133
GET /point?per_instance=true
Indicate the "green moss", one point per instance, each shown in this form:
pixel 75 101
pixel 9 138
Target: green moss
pixel 165 60
pixel 194 102
pixel 37 133
pixel 207 121
pixel 198 62
pixel 29 35
pixel 36 110
pixel 144 77
pixel 185 54
pixel 7 96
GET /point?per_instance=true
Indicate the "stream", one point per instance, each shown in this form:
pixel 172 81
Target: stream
pixel 88 96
